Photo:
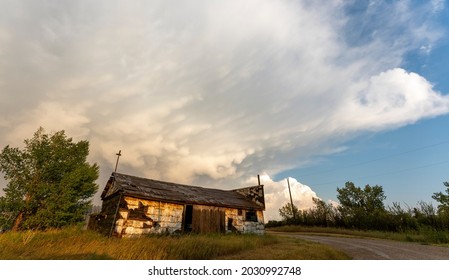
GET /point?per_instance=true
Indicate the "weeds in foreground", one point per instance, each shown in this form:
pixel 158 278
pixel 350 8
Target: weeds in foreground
pixel 75 243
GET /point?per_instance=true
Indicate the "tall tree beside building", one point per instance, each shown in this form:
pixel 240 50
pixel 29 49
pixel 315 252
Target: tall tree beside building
pixel 49 182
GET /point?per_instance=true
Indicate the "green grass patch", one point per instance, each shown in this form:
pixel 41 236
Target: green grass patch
pixel 423 236
pixel 77 244
pixel 290 249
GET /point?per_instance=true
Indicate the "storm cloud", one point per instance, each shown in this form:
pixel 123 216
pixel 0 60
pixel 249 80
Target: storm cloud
pixel 213 92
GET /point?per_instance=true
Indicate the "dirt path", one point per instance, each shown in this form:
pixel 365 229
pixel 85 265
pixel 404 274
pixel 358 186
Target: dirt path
pixel 376 249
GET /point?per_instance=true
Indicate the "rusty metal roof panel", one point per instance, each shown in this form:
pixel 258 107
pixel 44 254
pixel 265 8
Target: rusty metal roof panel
pixel 176 193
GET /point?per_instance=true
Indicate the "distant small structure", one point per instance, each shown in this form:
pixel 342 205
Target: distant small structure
pixel 134 206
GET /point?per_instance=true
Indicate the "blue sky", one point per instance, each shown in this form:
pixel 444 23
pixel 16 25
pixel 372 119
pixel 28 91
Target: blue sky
pixel 410 162
pixel 212 93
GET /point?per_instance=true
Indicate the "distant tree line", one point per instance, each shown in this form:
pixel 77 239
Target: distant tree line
pixel 364 209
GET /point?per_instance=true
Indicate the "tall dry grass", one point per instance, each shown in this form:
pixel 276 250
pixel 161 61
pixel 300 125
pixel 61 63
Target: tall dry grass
pixel 75 243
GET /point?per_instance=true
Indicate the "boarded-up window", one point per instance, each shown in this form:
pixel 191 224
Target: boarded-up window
pixel 251 216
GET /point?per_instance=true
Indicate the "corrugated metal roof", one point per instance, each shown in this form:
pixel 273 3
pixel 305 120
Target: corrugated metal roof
pixel 176 193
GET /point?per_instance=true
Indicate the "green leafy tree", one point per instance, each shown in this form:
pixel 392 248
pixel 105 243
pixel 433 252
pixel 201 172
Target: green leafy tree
pixel 361 207
pixel 287 214
pixel 49 182
pixel 323 213
pixel 443 200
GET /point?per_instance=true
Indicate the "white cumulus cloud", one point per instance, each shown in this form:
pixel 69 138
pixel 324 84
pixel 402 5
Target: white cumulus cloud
pixel 211 92
pixel 277 195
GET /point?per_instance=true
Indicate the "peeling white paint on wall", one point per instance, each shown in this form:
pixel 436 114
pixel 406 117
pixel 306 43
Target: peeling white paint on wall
pixel 142 217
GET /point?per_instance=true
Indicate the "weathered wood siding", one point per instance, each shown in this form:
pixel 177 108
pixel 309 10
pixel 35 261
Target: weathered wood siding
pixel 255 194
pixel 103 222
pixel 138 216
pixel 207 219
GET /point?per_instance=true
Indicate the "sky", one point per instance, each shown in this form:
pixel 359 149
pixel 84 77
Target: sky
pixel 212 93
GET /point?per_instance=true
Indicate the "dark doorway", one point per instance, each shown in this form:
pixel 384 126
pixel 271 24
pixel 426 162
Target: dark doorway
pixel 188 218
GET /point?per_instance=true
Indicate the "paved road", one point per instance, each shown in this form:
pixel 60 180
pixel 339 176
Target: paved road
pixel 375 249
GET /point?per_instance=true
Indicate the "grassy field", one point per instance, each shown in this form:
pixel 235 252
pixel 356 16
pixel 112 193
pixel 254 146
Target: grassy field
pixel 77 244
pixel 424 236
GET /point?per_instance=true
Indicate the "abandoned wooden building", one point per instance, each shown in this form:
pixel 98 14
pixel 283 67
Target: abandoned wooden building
pixel 134 206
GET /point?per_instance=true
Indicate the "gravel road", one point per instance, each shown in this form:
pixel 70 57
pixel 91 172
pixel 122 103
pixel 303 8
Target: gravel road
pixel 376 249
